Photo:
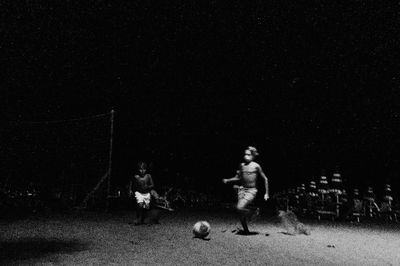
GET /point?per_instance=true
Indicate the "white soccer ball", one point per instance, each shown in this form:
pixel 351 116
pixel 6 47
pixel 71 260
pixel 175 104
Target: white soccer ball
pixel 201 229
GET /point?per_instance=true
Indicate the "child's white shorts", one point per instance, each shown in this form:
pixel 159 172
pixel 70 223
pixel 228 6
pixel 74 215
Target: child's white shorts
pixel 143 199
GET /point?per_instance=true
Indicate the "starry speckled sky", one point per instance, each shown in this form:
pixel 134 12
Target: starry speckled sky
pixel 314 85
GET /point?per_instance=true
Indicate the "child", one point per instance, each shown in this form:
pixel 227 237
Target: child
pixel 143 186
pixel 247 175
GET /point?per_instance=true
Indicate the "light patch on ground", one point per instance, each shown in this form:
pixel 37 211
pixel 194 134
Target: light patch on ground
pixel 110 240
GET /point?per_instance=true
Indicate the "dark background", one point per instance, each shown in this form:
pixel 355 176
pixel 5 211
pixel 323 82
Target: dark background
pixel 314 85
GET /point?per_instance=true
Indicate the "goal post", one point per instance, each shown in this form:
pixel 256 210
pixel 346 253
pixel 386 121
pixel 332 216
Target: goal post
pixel 66 162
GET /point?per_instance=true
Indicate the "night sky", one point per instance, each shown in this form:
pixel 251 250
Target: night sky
pixel 314 85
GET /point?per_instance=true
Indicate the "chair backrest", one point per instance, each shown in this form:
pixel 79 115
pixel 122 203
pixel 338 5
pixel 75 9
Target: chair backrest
pixel 357 205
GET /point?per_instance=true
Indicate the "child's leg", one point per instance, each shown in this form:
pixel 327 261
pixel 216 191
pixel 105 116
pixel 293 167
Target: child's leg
pixel 140 215
pixel 245 198
pixel 246 208
pixel 143 215
pixel 244 223
pixel 145 208
pixel 253 213
pixel 143 204
pixel 243 213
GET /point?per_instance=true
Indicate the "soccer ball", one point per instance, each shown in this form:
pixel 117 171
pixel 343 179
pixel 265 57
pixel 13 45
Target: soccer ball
pixel 201 229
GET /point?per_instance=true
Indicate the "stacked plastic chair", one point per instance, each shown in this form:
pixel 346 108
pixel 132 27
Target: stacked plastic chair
pixel 293 199
pixel 325 204
pixel 311 197
pixel 386 209
pixel 356 208
pixel 302 200
pixel 336 190
pixel 371 209
pixel 323 188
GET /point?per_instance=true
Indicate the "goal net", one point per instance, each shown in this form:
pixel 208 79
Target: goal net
pixel 64 163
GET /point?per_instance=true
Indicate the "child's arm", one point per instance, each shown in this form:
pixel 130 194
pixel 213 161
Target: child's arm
pixel 150 183
pixel 261 172
pixel 130 192
pixel 233 179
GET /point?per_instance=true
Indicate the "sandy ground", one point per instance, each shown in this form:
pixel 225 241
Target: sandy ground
pixel 108 239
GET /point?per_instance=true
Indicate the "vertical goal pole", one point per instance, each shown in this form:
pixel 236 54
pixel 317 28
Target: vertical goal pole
pixel 110 159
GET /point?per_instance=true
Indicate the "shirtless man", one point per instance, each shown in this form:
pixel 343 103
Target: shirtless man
pixel 247 175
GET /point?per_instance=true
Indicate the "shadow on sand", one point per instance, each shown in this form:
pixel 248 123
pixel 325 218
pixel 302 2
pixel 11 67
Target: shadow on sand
pixel 243 233
pixel 34 248
pixel 287 233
